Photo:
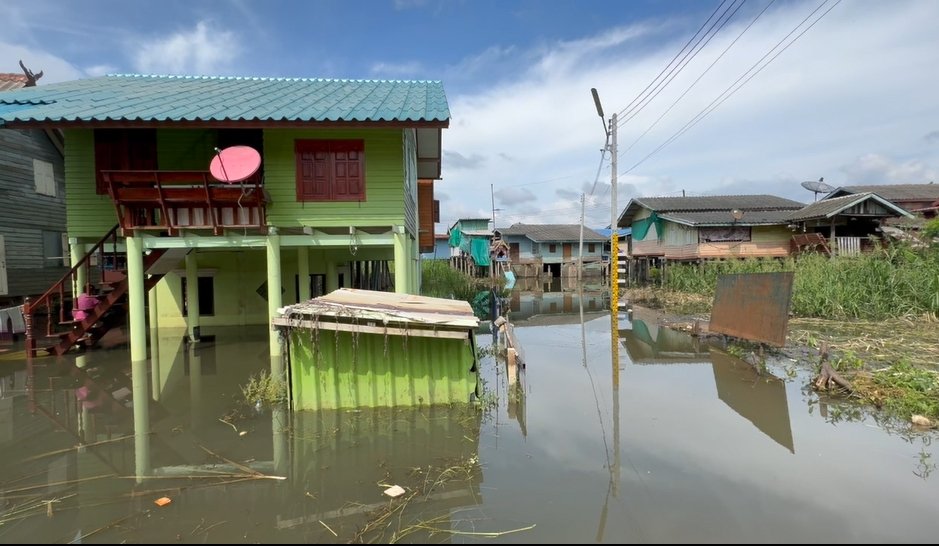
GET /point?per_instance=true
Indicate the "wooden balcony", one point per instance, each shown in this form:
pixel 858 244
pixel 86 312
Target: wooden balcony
pixel 170 201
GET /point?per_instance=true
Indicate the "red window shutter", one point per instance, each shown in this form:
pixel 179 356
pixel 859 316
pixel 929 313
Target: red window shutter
pixel 123 149
pixel 330 170
pixel 347 156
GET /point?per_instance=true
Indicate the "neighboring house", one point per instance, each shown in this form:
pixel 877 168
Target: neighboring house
pixel 848 224
pixel 441 249
pixel 921 199
pixel 334 203
pixel 751 226
pixel 692 228
pixel 33 245
pixel 469 240
pixel 622 234
pixel 547 248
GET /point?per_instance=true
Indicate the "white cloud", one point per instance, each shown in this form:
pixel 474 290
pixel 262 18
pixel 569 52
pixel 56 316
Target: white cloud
pixel 879 169
pixel 201 50
pixel 397 70
pixel 860 84
pixel 100 70
pixel 409 4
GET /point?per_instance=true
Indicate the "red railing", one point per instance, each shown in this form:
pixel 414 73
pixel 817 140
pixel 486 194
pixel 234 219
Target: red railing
pixel 173 200
pixel 100 265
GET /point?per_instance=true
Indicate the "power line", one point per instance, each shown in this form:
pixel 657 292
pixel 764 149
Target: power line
pixel 690 87
pixel 728 93
pixel 686 59
pixel 641 93
pixel 599 168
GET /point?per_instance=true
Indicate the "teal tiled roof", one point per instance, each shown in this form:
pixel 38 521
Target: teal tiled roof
pixel 201 98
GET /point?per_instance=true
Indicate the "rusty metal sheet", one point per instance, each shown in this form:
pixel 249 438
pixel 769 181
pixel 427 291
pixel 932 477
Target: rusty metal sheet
pixel 753 306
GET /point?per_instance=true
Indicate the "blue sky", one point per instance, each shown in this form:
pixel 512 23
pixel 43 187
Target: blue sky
pixel 851 100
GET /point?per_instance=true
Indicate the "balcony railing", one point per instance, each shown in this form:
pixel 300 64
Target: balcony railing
pixel 169 201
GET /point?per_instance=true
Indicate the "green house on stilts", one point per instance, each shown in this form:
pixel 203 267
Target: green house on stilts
pixel 334 203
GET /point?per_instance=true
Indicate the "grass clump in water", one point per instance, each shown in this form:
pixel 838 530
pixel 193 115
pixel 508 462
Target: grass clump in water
pixel 265 389
pixel 903 390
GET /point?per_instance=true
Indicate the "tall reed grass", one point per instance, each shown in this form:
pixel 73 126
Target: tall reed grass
pixel 439 280
pixel 896 282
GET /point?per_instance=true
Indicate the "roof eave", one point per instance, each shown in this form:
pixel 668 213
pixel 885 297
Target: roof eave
pixel 217 124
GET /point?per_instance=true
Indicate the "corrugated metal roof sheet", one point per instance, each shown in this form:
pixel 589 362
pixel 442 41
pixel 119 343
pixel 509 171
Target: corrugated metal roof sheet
pixel 826 208
pixel 552 232
pixel 894 192
pixel 718 202
pixel 9 81
pixel 712 203
pixel 201 98
pixel 724 218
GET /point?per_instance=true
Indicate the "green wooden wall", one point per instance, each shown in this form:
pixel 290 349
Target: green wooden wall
pixel 386 193
pixel 384 180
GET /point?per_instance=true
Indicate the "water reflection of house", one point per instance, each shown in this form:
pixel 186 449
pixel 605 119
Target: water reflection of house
pixel 341 456
pixel 525 304
pixel 535 249
pixel 332 461
pixel 760 399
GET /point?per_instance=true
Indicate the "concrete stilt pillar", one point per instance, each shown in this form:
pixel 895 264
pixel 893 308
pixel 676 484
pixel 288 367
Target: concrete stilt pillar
pixel 401 261
pixel 303 273
pixel 192 297
pixel 137 303
pixel 76 253
pixel 332 276
pixel 274 299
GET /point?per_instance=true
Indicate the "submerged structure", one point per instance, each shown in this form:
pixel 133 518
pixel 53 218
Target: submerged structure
pixel 355 348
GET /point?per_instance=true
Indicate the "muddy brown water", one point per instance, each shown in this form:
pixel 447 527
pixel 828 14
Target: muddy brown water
pixel 693 446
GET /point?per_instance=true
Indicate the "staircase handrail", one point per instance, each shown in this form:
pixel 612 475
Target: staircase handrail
pixel 29 306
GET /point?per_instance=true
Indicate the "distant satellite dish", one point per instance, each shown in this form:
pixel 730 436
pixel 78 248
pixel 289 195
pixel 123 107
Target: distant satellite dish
pixel 235 164
pixel 817 187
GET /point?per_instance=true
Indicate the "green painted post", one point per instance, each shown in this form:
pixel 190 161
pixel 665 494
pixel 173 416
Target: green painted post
pixel 303 272
pixel 76 253
pixel 274 298
pixel 137 301
pixel 141 416
pixel 401 261
pixel 192 296
pixel 332 276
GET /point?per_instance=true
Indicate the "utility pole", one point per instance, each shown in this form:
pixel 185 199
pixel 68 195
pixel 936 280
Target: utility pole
pixel 614 236
pixel 492 195
pixel 614 232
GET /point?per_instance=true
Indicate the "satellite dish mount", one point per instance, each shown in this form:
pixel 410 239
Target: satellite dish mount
pixel 817 187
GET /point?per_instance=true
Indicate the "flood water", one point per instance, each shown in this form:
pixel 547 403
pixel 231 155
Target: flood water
pixel 648 437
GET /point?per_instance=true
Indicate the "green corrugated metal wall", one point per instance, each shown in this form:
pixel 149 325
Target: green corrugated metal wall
pixel 371 370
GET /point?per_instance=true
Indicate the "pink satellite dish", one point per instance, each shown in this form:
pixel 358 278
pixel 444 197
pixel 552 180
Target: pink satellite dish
pixel 235 163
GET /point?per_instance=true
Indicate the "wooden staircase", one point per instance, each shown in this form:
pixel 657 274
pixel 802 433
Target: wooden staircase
pixel 57 303
pixel 810 242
